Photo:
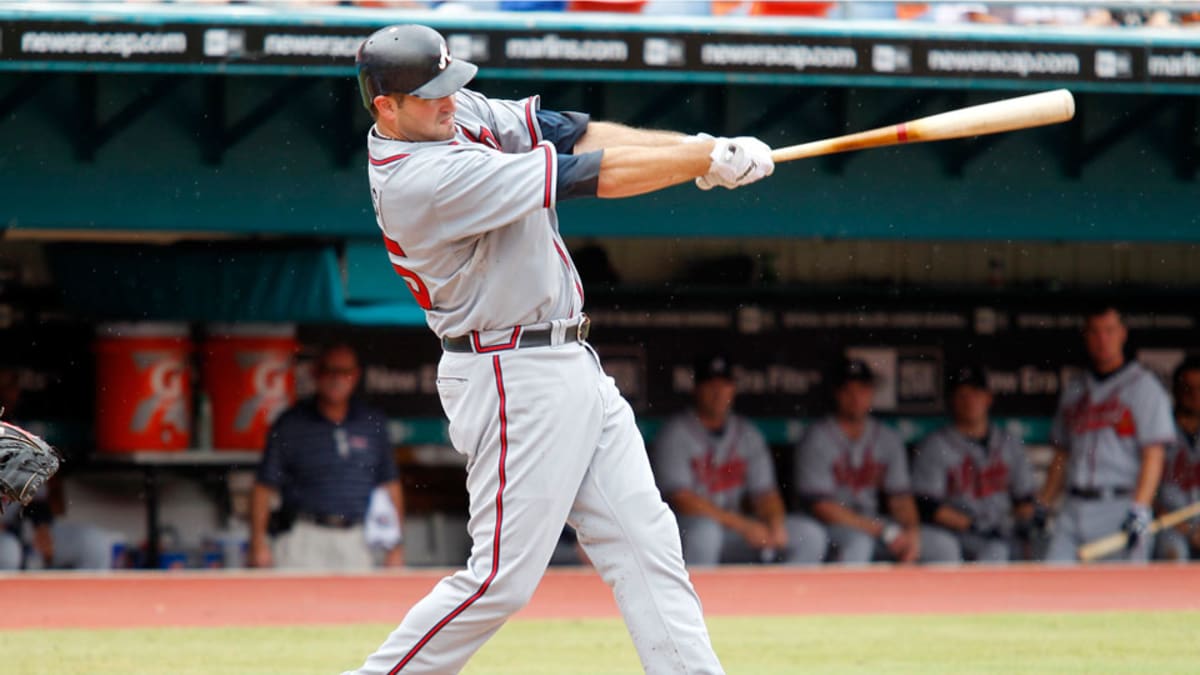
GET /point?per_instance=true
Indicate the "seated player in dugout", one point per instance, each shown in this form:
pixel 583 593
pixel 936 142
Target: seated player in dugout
pixel 1181 475
pixel 973 481
pixel 845 463
pixel 1109 434
pixel 324 458
pixel 710 464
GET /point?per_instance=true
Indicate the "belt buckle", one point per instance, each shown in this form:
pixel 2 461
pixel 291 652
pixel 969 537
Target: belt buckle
pixel 585 327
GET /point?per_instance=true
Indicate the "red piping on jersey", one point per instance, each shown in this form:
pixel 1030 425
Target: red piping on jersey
pixel 511 344
pixel 567 262
pixel 487 583
pixel 546 202
pixel 529 121
pixel 393 246
pixel 387 160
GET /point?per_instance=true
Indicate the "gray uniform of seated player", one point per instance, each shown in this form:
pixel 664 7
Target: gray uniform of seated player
pixel 1181 475
pixel 842 465
pixel 1112 424
pixel 972 480
pixel 711 463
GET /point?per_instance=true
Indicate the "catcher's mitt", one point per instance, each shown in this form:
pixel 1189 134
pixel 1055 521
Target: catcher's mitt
pixel 26 463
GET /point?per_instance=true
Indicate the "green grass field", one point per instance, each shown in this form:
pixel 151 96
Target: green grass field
pixel 1147 642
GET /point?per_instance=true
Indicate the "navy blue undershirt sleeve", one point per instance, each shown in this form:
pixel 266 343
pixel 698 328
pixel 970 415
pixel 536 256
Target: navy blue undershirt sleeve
pixel 927 507
pixel 563 129
pixel 579 175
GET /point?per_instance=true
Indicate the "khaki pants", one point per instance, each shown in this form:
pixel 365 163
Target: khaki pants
pixel 308 546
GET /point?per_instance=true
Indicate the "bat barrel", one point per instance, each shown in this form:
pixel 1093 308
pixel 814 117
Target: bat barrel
pixel 1022 112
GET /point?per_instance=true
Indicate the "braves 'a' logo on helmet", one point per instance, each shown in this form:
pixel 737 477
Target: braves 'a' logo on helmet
pixel 445 58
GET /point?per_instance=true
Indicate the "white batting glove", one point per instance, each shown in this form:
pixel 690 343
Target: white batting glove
pixel 737 162
pixel 709 181
pixel 760 154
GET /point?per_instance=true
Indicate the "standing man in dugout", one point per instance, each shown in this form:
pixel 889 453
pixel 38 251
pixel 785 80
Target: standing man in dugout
pixel 465 189
pixel 709 463
pixel 1109 435
pixel 844 463
pixel 973 481
pixel 1181 476
pixel 324 457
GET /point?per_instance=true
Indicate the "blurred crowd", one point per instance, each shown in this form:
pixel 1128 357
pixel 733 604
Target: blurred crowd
pixel 1150 14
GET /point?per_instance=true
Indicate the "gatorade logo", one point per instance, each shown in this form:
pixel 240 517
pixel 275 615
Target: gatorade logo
pixel 165 401
pixel 444 60
pixel 268 372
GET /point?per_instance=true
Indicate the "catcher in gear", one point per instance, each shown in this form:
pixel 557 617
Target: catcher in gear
pixel 26 463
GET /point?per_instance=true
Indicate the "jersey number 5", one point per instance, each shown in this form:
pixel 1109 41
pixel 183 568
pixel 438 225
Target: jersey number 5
pixel 418 288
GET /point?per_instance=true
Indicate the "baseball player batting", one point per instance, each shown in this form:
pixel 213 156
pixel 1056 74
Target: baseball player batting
pixel 465 189
pixel 1109 434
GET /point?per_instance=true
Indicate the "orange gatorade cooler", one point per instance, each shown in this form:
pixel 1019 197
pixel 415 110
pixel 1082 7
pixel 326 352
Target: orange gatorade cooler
pixel 249 380
pixel 143 387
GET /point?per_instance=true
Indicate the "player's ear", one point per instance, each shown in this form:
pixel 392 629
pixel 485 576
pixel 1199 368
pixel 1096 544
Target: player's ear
pixel 385 104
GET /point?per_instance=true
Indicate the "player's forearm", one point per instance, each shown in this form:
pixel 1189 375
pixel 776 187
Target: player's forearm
pixel 904 510
pixel 626 171
pixel 601 135
pixel 769 508
pixel 833 513
pixel 1055 473
pixel 1149 475
pixel 952 519
pixel 688 503
pixel 260 511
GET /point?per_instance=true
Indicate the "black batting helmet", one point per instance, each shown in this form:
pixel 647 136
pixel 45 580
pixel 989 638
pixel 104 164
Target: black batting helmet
pixel 409 59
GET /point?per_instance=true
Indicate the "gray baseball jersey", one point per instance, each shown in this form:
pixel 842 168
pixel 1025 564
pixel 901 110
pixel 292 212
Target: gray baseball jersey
pixel 1181 475
pixel 1104 423
pixel 853 473
pixel 724 469
pixel 469 223
pixel 982 480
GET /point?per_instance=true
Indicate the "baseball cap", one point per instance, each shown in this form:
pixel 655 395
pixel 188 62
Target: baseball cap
pixel 712 366
pixel 971 374
pixel 851 370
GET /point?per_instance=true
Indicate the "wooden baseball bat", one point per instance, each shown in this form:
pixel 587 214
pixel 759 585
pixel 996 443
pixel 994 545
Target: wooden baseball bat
pixel 1115 542
pixel 1022 112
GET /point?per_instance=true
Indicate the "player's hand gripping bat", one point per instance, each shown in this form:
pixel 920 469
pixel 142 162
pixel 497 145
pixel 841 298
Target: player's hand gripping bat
pixel 1115 542
pixel 1022 112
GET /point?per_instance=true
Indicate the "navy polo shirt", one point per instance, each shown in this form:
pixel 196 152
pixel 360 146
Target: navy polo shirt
pixel 327 469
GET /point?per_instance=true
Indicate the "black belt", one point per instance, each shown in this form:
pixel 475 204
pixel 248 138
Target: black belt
pixel 1101 493
pixel 329 520
pixel 522 339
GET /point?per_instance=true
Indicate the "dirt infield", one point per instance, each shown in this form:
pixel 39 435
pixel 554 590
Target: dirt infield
pixel 224 599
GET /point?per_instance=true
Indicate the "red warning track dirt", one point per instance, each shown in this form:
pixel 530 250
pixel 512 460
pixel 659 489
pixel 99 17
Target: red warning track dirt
pixel 224 599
